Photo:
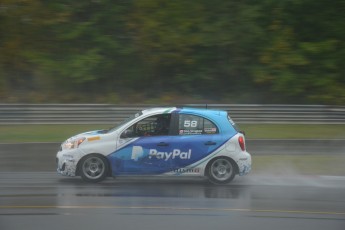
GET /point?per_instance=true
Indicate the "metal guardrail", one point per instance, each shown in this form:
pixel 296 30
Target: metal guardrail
pixel 110 114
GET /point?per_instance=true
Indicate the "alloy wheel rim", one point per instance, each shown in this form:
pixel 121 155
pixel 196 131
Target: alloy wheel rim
pixel 93 168
pixel 221 169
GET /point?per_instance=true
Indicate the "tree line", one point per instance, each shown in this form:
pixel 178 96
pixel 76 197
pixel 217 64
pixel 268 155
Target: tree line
pixel 113 51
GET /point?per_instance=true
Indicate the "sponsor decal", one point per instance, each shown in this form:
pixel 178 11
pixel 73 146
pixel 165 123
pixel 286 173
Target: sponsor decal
pixel 187 170
pixel 190 132
pixel 96 138
pixel 138 153
pixel 176 153
pixel 68 156
pixel 210 130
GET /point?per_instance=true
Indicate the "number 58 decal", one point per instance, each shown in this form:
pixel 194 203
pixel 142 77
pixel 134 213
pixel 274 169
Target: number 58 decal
pixel 188 123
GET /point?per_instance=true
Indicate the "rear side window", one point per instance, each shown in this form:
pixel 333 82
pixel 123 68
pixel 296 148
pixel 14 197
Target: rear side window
pixel 195 125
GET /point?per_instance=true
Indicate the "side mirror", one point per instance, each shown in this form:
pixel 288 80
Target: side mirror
pixel 127 133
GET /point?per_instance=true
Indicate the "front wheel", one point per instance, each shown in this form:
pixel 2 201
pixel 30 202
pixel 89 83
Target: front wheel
pixel 94 168
pixel 221 171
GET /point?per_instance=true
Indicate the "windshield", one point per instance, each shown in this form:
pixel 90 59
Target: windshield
pixel 116 127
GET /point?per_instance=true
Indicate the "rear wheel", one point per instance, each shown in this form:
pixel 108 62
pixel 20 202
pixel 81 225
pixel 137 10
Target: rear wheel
pixel 94 168
pixel 221 171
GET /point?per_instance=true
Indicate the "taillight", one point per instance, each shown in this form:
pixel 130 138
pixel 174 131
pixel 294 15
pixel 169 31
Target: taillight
pixel 241 143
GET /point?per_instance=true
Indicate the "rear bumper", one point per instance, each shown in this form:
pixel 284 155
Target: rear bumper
pixel 244 164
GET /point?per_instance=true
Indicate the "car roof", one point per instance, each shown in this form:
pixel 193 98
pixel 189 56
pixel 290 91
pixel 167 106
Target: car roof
pixel 201 111
pixel 159 110
pixel 186 110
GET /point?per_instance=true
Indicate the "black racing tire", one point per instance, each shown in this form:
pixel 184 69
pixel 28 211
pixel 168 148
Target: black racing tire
pixel 94 168
pixel 221 171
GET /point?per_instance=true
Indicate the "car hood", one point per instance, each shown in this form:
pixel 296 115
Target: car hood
pixel 88 134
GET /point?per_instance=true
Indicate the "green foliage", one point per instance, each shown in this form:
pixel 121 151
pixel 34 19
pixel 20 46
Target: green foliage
pixel 302 57
pixel 227 51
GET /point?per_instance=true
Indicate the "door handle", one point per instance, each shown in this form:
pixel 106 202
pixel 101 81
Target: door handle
pixel 210 143
pixel 162 144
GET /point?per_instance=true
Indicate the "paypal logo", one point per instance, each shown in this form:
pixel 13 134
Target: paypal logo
pixel 176 153
pixel 138 153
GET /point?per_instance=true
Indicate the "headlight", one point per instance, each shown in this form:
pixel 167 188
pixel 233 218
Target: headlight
pixel 73 143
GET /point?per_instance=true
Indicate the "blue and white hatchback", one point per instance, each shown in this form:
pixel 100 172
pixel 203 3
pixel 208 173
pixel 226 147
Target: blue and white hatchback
pixel 160 141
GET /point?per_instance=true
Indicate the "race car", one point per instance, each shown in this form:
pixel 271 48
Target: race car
pixel 160 141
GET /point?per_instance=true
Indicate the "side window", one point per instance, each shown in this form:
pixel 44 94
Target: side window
pixel 195 125
pixel 157 125
pixel 210 127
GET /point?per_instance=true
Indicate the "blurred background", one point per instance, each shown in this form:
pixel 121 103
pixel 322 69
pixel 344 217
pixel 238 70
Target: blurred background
pixel 171 52
pixel 68 67
pixel 155 51
pixel 103 60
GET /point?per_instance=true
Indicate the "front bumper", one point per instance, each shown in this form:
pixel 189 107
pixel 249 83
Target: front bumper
pixel 67 161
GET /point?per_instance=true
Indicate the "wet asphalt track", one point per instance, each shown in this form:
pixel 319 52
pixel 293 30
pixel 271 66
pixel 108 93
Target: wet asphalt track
pixel 41 199
pixel 45 200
